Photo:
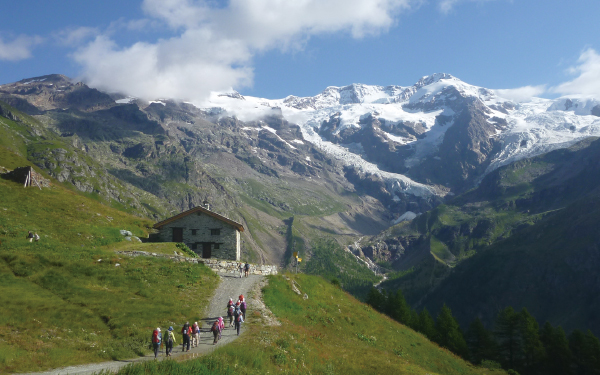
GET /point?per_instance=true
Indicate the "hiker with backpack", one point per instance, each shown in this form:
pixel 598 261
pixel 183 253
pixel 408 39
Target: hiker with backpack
pixel 230 310
pixel 156 339
pixel 169 341
pixel 243 308
pixel 186 331
pixel 216 330
pixel 247 268
pixel 195 335
pixel 241 267
pixel 239 319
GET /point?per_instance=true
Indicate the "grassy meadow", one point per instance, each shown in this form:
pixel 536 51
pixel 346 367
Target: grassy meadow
pixel 329 333
pixel 69 298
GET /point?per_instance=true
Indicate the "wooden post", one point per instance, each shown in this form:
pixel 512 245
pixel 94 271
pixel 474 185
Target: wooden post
pixel 34 180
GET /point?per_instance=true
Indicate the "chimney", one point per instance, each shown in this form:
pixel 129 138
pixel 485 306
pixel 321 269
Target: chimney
pixel 206 204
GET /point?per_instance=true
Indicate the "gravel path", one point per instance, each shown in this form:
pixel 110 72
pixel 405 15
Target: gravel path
pixel 229 287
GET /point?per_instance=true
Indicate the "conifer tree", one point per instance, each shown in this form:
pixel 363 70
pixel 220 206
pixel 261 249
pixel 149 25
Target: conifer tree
pixel 507 335
pixel 376 299
pixel 449 334
pixel 427 325
pixel 558 355
pixel 414 320
pixel 586 352
pixel 481 342
pixel 398 309
pixel 532 348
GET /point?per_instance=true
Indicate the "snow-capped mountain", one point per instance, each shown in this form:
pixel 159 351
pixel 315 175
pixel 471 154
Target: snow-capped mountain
pixel 438 135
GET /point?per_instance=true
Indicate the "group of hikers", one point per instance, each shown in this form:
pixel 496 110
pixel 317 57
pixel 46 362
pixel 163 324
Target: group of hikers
pixel 244 269
pixel 191 333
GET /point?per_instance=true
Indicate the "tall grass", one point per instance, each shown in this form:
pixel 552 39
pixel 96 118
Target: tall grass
pixel 328 333
pixel 69 298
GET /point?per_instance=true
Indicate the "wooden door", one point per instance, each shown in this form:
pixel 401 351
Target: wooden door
pixel 206 250
pixel 177 234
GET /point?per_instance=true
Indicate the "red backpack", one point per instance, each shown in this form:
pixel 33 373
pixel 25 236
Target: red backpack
pixel 215 327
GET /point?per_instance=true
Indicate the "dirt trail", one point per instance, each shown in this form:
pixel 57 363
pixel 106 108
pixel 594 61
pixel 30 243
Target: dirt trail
pixel 229 287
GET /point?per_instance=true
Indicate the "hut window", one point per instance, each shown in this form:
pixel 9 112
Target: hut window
pixel 194 232
pixel 215 232
pixel 217 245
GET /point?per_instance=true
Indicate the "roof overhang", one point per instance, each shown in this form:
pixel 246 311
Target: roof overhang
pixel 203 210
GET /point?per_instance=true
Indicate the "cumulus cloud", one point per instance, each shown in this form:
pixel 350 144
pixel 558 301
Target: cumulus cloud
pixel 587 81
pixel 19 48
pixel 213 47
pixel 521 94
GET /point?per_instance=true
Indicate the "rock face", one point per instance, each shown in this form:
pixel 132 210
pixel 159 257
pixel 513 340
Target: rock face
pixel 53 91
pixel 465 152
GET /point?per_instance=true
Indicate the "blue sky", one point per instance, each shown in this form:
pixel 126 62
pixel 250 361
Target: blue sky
pixel 275 48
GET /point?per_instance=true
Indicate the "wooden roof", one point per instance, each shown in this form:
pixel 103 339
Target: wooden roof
pixel 237 225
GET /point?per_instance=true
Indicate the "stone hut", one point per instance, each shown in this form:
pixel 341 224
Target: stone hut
pixel 207 233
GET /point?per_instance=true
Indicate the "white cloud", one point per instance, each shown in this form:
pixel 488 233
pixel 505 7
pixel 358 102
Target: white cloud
pixel 214 47
pixel 75 36
pixel 521 94
pixel 587 81
pixel 446 6
pixel 19 48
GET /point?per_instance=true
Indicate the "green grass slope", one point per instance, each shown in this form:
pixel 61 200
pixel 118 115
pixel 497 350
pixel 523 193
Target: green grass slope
pixel 507 202
pixel 69 298
pixel 328 333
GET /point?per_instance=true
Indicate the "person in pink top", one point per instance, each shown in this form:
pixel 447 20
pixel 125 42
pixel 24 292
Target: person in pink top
pixel 221 326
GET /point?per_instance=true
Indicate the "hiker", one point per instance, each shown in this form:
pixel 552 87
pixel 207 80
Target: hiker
pixel 247 268
pixel 241 267
pixel 36 237
pixel 221 326
pixel 195 335
pixel 230 310
pixel 243 308
pixel 30 238
pixel 156 339
pixel 169 341
pixel 216 330
pixel 186 331
pixel 239 319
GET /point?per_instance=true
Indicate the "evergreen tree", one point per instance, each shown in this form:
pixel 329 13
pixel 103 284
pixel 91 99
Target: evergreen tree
pixel 532 348
pixel 449 334
pixel 558 355
pixel 376 299
pixel 427 325
pixel 398 309
pixel 480 342
pixel 586 352
pixel 507 335
pixel 414 320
